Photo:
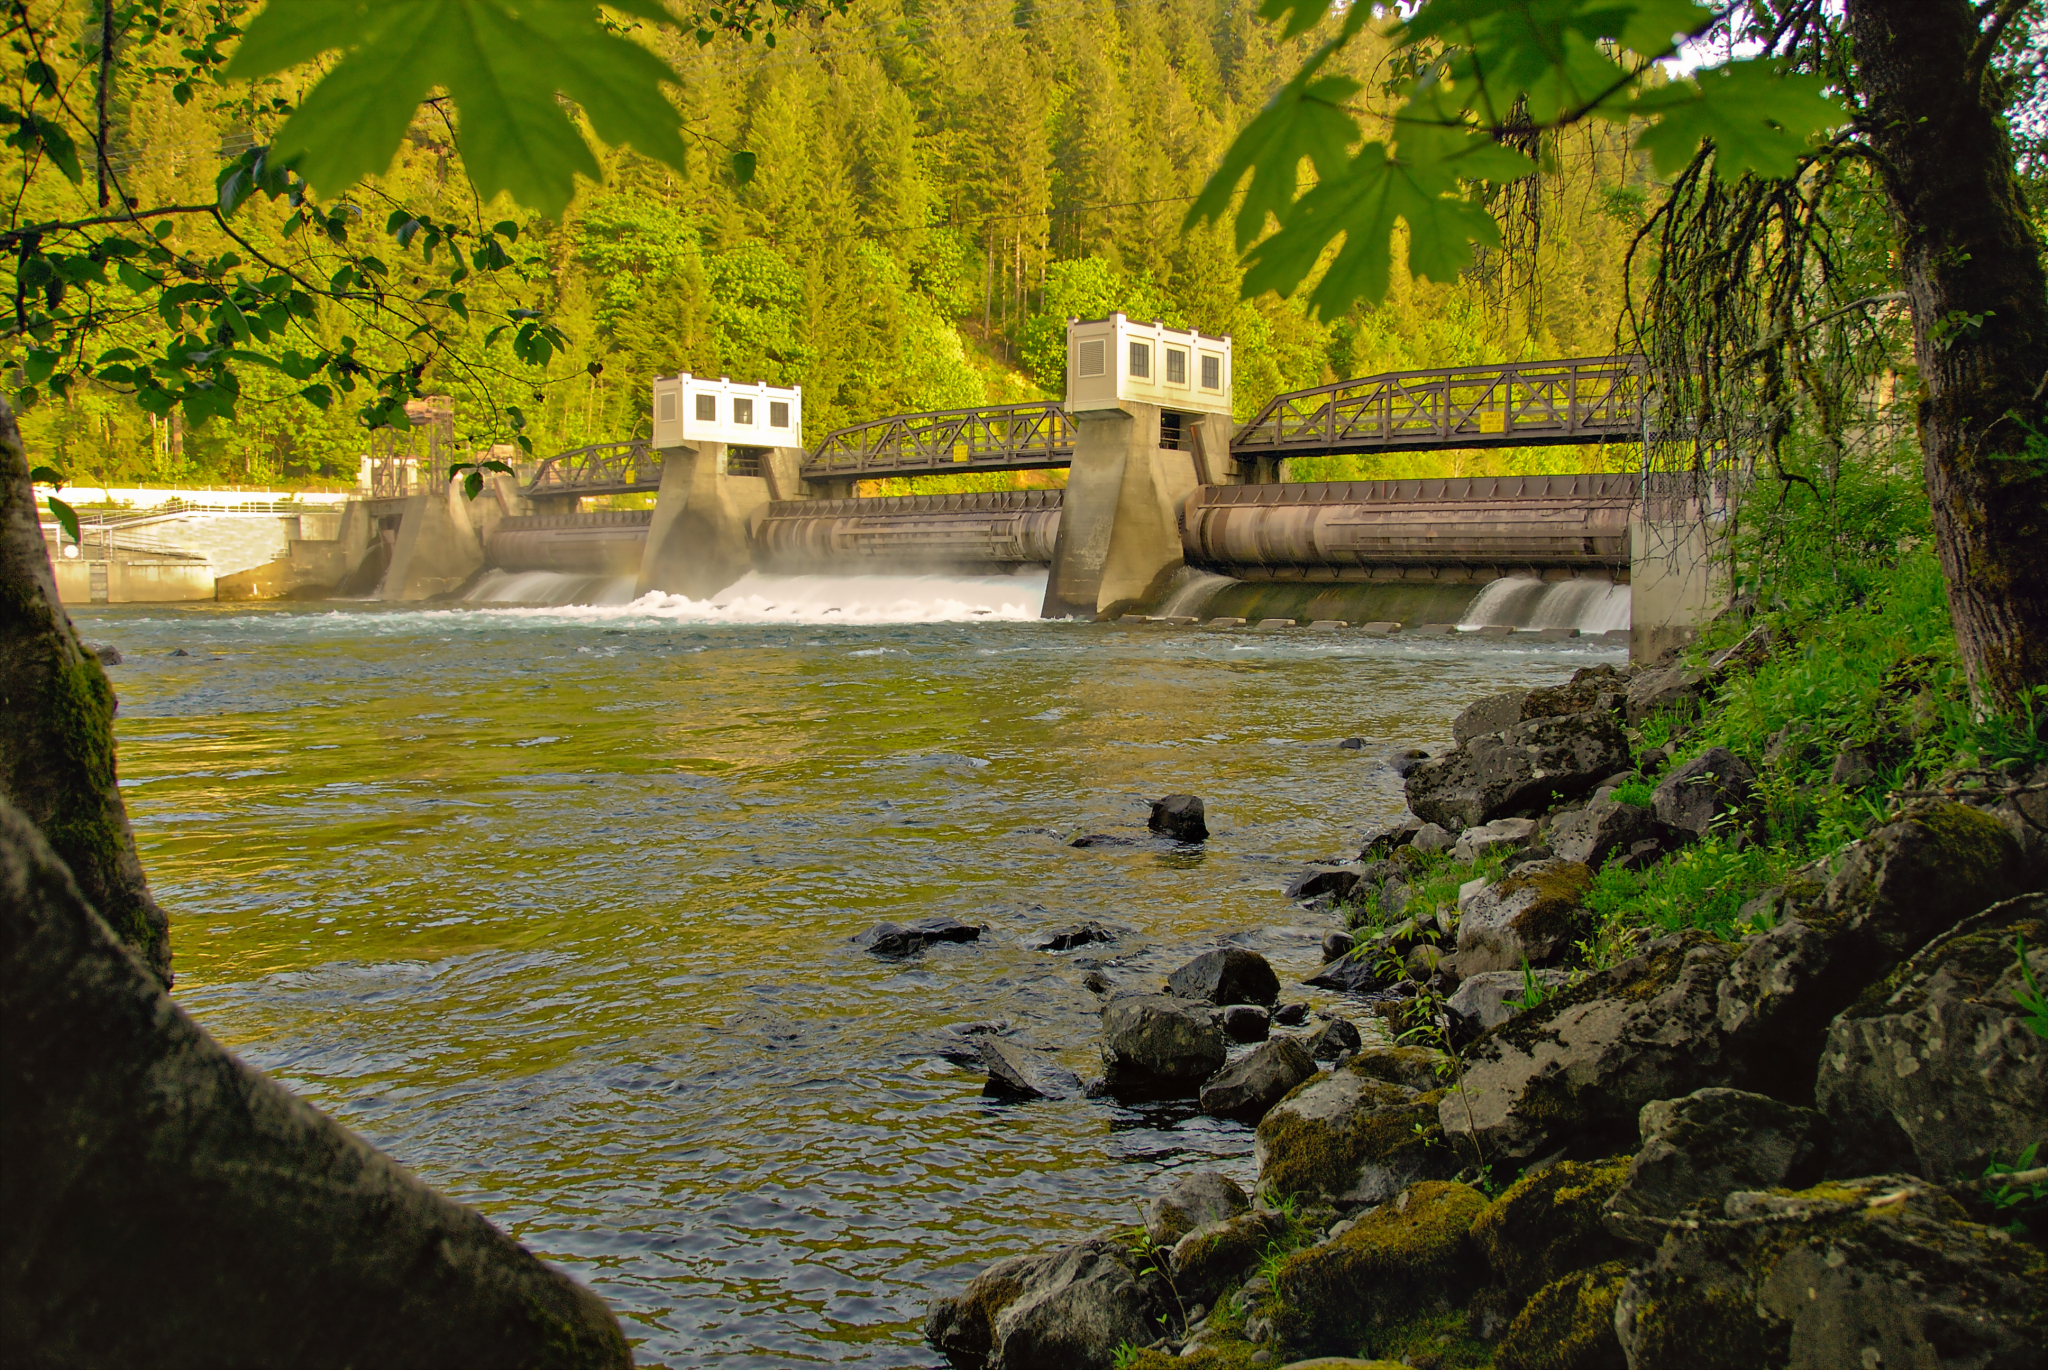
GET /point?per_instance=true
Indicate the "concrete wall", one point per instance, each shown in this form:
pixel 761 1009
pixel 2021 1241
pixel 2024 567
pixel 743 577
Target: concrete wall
pixel 1119 541
pixel 133 582
pixel 699 540
pixel 432 554
pixel 1677 581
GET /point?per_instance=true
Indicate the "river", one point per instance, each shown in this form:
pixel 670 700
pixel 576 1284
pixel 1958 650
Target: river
pixel 554 905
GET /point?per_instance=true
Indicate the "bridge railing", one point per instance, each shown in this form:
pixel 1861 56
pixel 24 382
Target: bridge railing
pixel 1514 404
pixel 1006 437
pixel 604 468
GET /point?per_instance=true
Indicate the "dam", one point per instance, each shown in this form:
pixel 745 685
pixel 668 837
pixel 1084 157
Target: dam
pixel 1170 509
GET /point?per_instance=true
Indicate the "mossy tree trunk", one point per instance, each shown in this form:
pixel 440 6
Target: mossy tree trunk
pixel 57 725
pixel 1979 296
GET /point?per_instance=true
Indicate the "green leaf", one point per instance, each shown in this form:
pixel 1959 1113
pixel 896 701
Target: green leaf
pixel 47 475
pixel 503 63
pixel 1303 121
pixel 473 484
pixel 66 516
pixel 743 167
pixel 1300 15
pixel 1758 117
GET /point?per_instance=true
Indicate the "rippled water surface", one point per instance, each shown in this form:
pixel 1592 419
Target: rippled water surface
pixel 556 906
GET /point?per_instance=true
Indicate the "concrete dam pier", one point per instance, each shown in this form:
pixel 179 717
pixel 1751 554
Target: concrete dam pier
pixel 1165 500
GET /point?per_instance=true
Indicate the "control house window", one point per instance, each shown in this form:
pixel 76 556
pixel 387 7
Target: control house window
pixel 1212 371
pixel 1141 361
pixel 707 409
pixel 778 413
pixel 1176 366
pixel 743 412
pixel 1091 357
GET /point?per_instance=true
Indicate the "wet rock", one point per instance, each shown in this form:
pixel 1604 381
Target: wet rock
pixel 1180 817
pixel 166 1203
pixel 1314 884
pixel 1404 760
pixel 1673 689
pixel 1155 1044
pixel 1351 976
pixel 1433 837
pixel 1486 1000
pixel 1246 1023
pixel 961 1327
pixel 1533 916
pixel 900 939
pixel 1714 791
pixel 1406 1258
pixel 1207 1259
pixel 1291 1014
pixel 1348 1138
pixel 1337 944
pixel 1712 1143
pixel 1067 938
pixel 1334 1039
pixel 1249 1086
pixel 1526 767
pixel 1104 839
pixel 1550 1223
pixel 960 1043
pixel 107 652
pixel 1227 975
pixel 1492 714
pixel 1095 982
pixel 1500 834
pixel 1016 1072
pixel 1384 841
pixel 180 651
pixel 1069 1310
pixel 1192 1201
pixel 1878 1272
pixel 1935 1071
pixel 1599 830
pixel 1573 1073
pixel 1351 744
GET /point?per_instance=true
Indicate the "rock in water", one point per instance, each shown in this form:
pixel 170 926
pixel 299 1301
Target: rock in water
pixel 1155 1044
pixel 1291 1015
pixel 1181 817
pixel 1247 1023
pixel 1714 1142
pixel 1227 975
pixel 1941 1076
pixel 1525 767
pixel 1193 1201
pixel 1314 884
pixel 1336 1037
pixel 1016 1072
pixel 216 1218
pixel 1716 788
pixel 1249 1086
pixel 1069 1310
pixel 898 939
pixel 1067 938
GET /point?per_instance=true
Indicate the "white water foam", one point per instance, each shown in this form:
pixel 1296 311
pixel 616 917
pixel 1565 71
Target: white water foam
pixel 1591 606
pixel 762 598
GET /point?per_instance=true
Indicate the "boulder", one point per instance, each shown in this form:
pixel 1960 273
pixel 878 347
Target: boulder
pixel 1871 1272
pixel 1351 744
pixel 1526 767
pixel 1714 1142
pixel 960 1043
pixel 107 652
pixel 1103 839
pixel 1936 1071
pixel 1568 1324
pixel 1402 760
pixel 1069 1310
pixel 1385 841
pixel 1855 766
pixel 1192 1201
pixel 1350 1139
pixel 1292 1014
pixel 1673 689
pixel 1247 1023
pixel 1333 1039
pixel 1417 1068
pixel 1715 791
pixel 1209 1258
pixel 1016 1072
pixel 1180 817
pixel 167 1204
pixel 1534 915
pixel 895 940
pixel 1227 975
pixel 1573 1073
pixel 1433 837
pixel 1592 834
pixel 961 1327
pixel 1592 688
pixel 1353 975
pixel 1491 714
pixel 1337 944
pixel 1069 937
pixel 1502 834
pixel 1484 1001
pixel 1314 884
pixel 1408 1257
pixel 1249 1086
pixel 1157 1044
pixel 1550 1223
pixel 1891 893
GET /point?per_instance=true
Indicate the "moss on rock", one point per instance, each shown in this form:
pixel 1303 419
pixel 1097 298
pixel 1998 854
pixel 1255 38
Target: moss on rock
pixel 1549 1224
pixel 1403 1260
pixel 1415 1067
pixel 1352 1139
pixel 1568 1324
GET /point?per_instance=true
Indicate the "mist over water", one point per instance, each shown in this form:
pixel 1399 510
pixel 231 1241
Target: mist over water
pixel 761 597
pixel 555 905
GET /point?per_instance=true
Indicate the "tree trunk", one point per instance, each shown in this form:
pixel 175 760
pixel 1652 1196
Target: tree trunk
pixel 57 725
pixel 1980 330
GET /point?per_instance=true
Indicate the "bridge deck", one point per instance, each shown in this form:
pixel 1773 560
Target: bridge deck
pixel 1007 437
pixel 604 468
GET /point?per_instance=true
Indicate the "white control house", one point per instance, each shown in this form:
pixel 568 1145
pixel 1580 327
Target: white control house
pixel 689 410
pixel 1115 359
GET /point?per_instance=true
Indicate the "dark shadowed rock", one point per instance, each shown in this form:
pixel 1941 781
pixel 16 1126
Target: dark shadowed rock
pixel 1191 1201
pixel 1334 1039
pixel 1336 944
pixel 1550 1222
pixel 1104 839
pixel 1492 714
pixel 901 939
pixel 1246 1023
pixel 1934 1071
pixel 1291 1015
pixel 1411 1259
pixel 1067 938
pixel 1181 817
pixel 1068 1310
pixel 1350 976
pixel 1674 689
pixel 1212 1255
pixel 1257 1080
pixel 1529 765
pixel 1095 982
pixel 960 1043
pixel 167 1204
pixel 107 652
pixel 1716 790
pixel 1160 1045
pixel 1599 830
pixel 961 1327
pixel 1854 768
pixel 1402 760
pixel 1351 744
pixel 1876 1272
pixel 1534 915
pixel 1384 841
pixel 1713 1142
pixel 1016 1072
pixel 1314 884
pixel 1227 975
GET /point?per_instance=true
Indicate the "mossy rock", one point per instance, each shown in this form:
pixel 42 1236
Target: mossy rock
pixel 1568 1324
pixel 1216 1254
pixel 1351 1139
pixel 1549 1223
pixel 1405 1259
pixel 1221 1355
pixel 1415 1067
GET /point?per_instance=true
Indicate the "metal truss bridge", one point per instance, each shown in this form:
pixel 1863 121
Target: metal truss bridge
pixel 604 468
pixel 1007 437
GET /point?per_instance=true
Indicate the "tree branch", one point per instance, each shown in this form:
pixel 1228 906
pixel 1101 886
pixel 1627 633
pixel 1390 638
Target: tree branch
pixel 15 235
pixel 1987 44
